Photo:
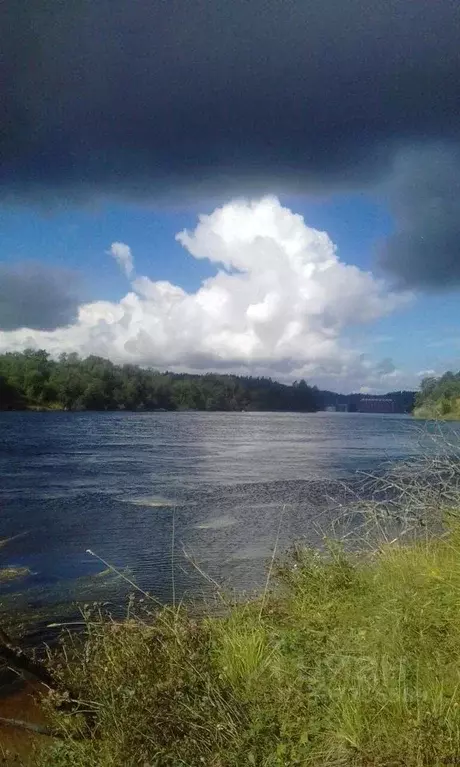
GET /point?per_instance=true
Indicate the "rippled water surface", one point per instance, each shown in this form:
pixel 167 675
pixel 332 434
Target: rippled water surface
pixel 115 483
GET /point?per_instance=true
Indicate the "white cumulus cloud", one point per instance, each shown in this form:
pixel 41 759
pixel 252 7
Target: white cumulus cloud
pixel 279 304
pixel 123 256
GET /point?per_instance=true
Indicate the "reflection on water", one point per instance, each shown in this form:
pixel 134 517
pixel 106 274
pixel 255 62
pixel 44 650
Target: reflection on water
pixel 82 481
pixel 252 552
pixel 218 523
pixel 154 503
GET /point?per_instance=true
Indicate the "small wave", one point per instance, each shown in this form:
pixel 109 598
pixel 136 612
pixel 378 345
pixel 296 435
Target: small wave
pixel 252 552
pixel 154 503
pixel 218 523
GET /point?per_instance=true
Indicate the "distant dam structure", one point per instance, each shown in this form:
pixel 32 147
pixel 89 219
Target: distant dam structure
pixel 376 405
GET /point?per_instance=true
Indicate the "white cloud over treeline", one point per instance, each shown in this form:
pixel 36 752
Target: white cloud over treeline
pixel 280 304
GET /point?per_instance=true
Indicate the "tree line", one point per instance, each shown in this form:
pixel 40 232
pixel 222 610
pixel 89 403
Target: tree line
pixel 32 379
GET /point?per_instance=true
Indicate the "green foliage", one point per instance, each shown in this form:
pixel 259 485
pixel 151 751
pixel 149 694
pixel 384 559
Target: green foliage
pixel 33 379
pixel 439 397
pixel 10 397
pixel 351 662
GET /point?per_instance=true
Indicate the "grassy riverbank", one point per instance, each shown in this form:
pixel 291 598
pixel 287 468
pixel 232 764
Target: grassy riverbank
pixel 352 660
pixel 439 411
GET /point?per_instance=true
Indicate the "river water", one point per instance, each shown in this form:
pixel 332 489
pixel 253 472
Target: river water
pixel 155 492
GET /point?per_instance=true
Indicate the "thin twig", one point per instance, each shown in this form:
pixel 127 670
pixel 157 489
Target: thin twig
pixel 40 729
pixel 200 571
pixel 124 577
pixel 272 562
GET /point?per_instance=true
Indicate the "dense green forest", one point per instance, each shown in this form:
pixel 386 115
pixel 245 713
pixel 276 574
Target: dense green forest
pixel 33 379
pixel 439 397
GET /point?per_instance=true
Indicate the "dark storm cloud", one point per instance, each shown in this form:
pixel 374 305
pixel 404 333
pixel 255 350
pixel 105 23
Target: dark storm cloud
pixel 121 96
pixel 154 98
pixel 424 190
pixel 34 296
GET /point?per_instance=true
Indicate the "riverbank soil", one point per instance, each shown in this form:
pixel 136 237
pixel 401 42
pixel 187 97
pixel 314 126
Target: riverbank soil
pixel 18 746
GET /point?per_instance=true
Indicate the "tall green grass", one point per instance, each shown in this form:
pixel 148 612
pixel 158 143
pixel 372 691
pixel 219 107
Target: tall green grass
pixel 351 660
pixel 445 409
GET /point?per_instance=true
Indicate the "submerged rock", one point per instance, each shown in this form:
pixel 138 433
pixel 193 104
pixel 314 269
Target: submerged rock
pixel 11 573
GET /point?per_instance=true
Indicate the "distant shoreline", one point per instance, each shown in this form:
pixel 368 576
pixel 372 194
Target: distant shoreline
pixel 75 411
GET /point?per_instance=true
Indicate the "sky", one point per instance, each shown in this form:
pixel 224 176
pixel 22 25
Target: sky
pixel 269 187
